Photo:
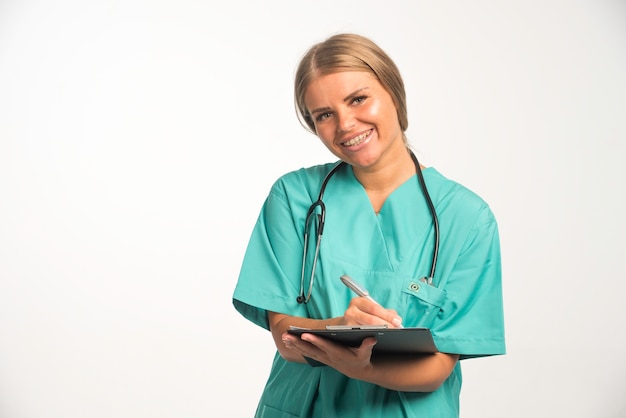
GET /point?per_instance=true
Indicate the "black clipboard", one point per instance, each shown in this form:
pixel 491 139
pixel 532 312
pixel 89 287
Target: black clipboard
pixel 388 340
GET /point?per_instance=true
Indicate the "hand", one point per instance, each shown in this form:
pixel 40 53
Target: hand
pixel 363 311
pixel 351 361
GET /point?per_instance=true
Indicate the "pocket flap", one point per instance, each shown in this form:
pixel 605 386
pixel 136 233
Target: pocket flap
pixel 426 292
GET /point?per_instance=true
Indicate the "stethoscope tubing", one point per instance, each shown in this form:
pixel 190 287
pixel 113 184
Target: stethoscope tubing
pixel 433 213
pixel 304 298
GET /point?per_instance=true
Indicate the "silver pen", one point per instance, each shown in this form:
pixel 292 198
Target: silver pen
pixel 361 291
pixel 357 288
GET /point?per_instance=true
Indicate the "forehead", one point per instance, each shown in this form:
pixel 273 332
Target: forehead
pixel 337 86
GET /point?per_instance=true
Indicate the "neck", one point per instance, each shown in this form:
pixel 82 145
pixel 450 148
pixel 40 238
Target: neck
pixel 380 181
pixel 384 178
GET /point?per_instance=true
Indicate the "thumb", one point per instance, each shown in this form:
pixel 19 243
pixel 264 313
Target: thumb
pixel 369 342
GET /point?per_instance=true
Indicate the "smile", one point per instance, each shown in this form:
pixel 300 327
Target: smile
pixel 357 139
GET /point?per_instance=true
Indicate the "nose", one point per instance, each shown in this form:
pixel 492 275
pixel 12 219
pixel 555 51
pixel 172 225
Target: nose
pixel 345 121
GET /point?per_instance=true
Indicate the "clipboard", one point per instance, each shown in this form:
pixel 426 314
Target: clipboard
pixel 397 341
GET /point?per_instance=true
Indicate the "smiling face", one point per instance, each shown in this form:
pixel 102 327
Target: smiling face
pixel 356 118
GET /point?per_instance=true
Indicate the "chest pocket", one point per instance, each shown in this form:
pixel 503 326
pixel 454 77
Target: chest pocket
pixel 423 303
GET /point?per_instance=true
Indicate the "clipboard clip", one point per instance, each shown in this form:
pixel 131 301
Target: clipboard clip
pixel 356 327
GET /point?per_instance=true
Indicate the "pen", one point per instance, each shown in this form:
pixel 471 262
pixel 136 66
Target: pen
pixel 361 291
pixel 357 288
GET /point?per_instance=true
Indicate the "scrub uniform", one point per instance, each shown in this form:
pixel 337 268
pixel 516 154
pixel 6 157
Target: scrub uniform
pixel 388 253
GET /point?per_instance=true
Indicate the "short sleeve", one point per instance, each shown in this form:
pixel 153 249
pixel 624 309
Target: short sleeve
pixel 471 322
pixel 270 274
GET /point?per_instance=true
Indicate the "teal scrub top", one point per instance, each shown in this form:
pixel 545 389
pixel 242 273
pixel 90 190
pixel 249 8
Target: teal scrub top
pixel 388 253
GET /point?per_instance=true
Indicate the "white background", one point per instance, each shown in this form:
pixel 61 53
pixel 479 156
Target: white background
pixel 138 139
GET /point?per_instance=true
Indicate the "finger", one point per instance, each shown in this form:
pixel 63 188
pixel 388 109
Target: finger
pixel 368 343
pixel 364 312
pixel 366 347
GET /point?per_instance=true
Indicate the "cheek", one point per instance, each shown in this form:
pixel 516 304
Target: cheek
pixel 327 138
pixel 373 110
pixel 379 113
pixel 388 113
pixel 389 110
pixel 325 132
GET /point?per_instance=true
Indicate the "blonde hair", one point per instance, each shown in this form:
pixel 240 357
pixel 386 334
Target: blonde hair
pixel 348 52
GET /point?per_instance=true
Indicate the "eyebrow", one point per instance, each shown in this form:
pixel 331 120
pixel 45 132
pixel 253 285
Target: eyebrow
pixel 345 99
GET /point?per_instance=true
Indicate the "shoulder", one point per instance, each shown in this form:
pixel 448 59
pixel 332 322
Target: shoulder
pixel 451 196
pixel 305 181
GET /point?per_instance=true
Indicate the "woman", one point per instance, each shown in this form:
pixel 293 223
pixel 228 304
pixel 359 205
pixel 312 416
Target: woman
pixel 379 230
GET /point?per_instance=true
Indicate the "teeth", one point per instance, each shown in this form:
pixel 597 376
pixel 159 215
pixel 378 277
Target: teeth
pixel 357 140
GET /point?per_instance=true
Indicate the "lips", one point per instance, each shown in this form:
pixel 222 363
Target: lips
pixel 357 139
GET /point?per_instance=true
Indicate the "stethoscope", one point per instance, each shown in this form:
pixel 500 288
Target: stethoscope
pixel 321 218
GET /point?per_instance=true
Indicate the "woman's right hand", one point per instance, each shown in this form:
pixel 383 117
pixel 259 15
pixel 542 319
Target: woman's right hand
pixel 363 311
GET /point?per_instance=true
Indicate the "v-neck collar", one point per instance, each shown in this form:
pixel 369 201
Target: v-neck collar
pixel 354 232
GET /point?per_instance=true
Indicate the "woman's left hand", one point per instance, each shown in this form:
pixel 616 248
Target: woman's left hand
pixel 351 361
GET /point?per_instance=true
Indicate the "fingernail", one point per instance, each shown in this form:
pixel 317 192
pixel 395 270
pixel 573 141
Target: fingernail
pixel 397 322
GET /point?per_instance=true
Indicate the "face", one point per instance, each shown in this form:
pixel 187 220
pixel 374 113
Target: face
pixel 355 118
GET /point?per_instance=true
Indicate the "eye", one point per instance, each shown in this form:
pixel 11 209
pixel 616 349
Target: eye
pixel 359 99
pixel 322 116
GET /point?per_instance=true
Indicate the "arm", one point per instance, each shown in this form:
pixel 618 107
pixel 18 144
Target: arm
pixel 280 323
pixel 416 374
pixel 402 373
pixel 360 312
